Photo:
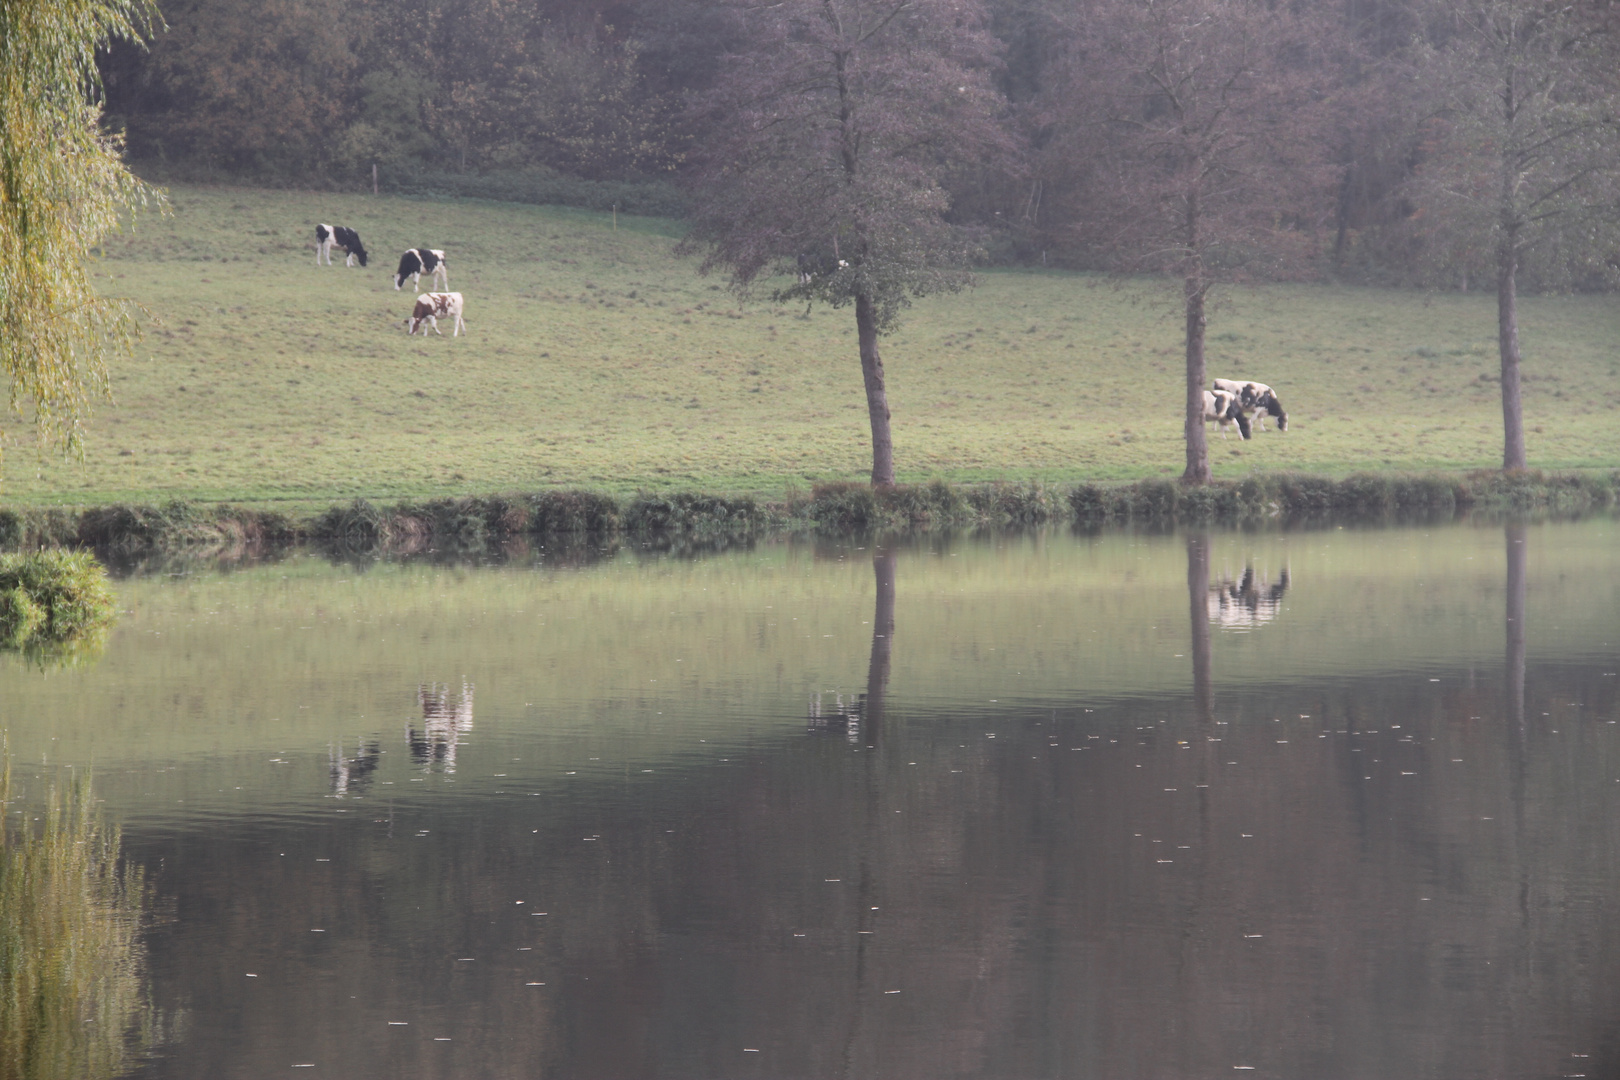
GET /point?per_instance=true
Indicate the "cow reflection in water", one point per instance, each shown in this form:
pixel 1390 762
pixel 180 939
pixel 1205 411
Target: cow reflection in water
pixel 443 725
pixel 833 714
pixel 1247 603
pixel 350 775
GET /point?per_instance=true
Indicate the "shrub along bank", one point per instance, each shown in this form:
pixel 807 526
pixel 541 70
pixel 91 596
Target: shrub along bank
pixel 473 521
pixel 51 597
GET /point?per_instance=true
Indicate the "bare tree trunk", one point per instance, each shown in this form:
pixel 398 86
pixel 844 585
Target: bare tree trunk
pixel 1197 446
pixel 1507 332
pixel 877 397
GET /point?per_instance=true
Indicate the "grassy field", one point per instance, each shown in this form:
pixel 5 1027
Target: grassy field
pixel 596 358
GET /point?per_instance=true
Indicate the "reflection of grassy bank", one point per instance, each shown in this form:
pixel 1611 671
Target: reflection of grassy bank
pixel 72 1000
pixel 644 654
pixel 470 523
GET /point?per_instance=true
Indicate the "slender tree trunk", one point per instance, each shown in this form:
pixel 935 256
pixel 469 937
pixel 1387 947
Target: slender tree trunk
pixel 877 397
pixel 1341 237
pixel 1197 445
pixel 1507 333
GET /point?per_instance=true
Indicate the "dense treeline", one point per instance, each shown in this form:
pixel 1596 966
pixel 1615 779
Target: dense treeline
pixel 316 92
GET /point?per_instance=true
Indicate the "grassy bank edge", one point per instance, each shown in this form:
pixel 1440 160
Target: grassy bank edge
pixel 472 521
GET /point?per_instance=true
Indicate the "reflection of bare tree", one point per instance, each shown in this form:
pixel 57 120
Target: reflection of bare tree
pixel 443 724
pixel 877 668
pixel 1201 603
pixel 350 775
pixel 1248 602
pixel 1517 542
pixel 833 713
pixel 1517 547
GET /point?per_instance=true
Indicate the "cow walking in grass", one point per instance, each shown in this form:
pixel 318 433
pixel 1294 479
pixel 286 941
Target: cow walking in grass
pixel 1224 407
pixel 433 306
pixel 418 261
pixel 1257 398
pixel 344 239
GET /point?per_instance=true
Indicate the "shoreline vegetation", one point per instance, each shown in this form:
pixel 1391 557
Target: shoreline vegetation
pixel 471 522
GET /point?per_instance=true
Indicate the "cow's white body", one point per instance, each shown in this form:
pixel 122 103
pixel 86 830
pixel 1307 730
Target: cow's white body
pixel 433 306
pixel 418 261
pixel 1223 407
pixel 1257 398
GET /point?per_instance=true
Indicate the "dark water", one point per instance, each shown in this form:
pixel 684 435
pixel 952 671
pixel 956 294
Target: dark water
pixel 1330 804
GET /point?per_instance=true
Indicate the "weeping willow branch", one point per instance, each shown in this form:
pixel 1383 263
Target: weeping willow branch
pixel 63 188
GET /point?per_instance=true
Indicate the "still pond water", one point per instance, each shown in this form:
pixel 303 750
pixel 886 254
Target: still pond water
pixel 1337 803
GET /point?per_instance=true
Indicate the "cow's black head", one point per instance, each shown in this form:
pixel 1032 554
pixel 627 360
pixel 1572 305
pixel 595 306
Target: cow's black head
pixel 409 263
pixel 1274 407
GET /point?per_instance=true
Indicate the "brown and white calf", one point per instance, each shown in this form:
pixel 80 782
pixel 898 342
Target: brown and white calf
pixel 345 240
pixel 433 306
pixel 1257 398
pixel 1224 408
pixel 418 261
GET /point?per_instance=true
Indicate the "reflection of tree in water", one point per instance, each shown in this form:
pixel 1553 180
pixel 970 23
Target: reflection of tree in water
pixel 850 717
pixel 1200 597
pixel 1516 536
pixel 1247 602
pixel 443 725
pixel 73 1000
pixel 351 775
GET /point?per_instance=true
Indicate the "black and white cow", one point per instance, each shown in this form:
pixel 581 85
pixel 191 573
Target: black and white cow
pixel 433 306
pixel 1224 408
pixel 345 240
pixel 1257 398
pixel 418 261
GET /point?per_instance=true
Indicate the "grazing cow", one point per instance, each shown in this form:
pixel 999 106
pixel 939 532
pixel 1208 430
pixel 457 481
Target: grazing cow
pixel 431 307
pixel 344 239
pixel 1224 408
pixel 418 261
pixel 1257 398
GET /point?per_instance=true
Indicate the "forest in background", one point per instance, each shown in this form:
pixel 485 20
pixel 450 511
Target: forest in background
pixel 589 102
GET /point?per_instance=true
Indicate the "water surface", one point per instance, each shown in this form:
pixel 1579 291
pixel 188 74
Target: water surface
pixel 1331 804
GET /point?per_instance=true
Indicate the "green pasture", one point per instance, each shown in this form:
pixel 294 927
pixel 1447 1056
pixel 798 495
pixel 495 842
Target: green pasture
pixel 597 358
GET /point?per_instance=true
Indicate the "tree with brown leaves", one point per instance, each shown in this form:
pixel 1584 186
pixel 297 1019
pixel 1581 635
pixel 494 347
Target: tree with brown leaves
pixel 832 126
pixel 1195 123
